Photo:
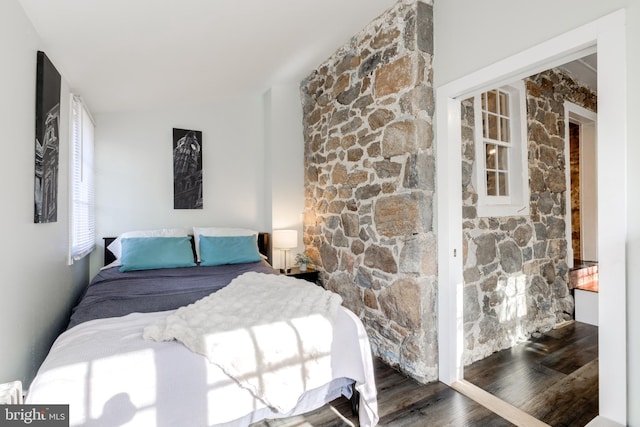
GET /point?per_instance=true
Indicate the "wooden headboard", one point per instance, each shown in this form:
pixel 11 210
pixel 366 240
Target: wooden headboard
pixel 264 246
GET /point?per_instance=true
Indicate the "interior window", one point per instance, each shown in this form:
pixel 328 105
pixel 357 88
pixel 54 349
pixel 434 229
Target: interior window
pixel 501 177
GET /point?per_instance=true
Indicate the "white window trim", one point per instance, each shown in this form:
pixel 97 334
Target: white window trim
pixel 517 203
pixel 81 181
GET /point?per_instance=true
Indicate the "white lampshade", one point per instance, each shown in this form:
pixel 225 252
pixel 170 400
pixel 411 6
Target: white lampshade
pixel 285 239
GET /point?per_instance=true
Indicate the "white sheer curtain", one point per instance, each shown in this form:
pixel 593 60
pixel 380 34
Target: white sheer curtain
pixel 82 207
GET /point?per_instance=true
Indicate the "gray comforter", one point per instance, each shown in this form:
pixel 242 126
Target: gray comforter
pixel 112 293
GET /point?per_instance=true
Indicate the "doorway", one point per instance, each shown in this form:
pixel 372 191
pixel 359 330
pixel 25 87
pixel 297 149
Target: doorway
pixel 516 278
pixel 582 210
pixel 582 197
pixel 607 35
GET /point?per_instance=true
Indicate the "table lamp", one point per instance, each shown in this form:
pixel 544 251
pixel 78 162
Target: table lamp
pixel 285 240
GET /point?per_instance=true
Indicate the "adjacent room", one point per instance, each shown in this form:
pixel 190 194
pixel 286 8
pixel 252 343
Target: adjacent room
pixel 521 306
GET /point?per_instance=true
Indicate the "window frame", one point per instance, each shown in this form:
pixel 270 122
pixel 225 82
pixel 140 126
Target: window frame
pixel 516 203
pixel 81 181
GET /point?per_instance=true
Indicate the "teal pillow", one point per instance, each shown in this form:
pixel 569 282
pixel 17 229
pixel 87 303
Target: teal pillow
pixel 219 250
pixel 147 253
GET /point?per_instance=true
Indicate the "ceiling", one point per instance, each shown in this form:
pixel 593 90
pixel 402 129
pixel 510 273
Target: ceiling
pixel 584 70
pixel 144 54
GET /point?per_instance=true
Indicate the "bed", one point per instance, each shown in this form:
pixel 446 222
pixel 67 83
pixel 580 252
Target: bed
pixel 113 370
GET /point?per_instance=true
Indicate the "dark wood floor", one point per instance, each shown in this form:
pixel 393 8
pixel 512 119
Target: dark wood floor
pixel 553 377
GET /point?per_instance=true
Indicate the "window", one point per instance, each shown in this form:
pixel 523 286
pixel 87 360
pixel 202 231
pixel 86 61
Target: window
pixel 82 212
pixel 502 175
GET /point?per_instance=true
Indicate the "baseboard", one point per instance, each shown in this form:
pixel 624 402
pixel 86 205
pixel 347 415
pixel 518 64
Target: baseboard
pixel 563 324
pixel 602 422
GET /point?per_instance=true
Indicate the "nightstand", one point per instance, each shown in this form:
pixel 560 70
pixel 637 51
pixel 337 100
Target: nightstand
pixel 309 275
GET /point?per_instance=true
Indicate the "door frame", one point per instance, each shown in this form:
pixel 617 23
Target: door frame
pixel 582 116
pixel 605 35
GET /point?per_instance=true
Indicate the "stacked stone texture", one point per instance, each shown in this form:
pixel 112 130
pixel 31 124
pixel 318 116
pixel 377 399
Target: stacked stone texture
pixel 369 183
pixel 515 268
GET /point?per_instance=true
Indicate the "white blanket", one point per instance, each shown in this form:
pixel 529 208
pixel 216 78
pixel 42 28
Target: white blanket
pixel 272 334
pixel 109 376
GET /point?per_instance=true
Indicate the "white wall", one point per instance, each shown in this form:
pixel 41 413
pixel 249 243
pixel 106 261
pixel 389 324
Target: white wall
pixel 523 25
pixel 285 148
pixel 589 196
pixel 134 168
pixel 37 287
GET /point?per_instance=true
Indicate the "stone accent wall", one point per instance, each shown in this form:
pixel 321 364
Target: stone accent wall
pixel 369 183
pixel 515 268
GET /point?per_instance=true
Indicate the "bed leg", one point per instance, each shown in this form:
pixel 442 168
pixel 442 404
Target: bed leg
pixel 355 402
